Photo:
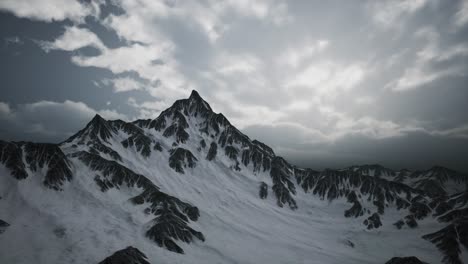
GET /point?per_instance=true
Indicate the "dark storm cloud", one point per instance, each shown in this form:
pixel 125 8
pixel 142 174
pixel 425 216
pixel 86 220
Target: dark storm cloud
pixel 415 150
pixel 326 83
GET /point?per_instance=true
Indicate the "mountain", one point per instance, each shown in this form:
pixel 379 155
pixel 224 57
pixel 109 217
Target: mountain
pixel 189 187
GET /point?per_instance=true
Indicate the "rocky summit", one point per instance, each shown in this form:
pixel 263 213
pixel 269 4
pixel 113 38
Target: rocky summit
pixel 189 187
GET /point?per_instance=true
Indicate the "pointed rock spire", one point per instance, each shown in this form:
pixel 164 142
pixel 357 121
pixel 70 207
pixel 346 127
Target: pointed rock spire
pixel 194 95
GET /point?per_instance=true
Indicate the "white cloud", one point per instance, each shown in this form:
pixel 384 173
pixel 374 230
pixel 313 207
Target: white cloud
pixel 13 40
pixel 72 39
pixel 5 110
pixel 229 64
pixel 365 100
pixel 456 132
pixel 415 77
pixel 327 79
pixel 138 58
pixel 148 109
pixel 50 10
pixel 389 14
pixel 123 84
pixel 208 17
pixel 293 57
pixel 70 107
pixel 248 115
pixel 421 72
pixel 461 17
pixel 51 120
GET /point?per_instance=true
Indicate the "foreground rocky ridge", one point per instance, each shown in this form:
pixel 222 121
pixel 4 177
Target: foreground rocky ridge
pixel 189 132
pixel 129 255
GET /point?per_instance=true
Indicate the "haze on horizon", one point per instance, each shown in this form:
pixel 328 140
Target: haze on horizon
pixel 325 83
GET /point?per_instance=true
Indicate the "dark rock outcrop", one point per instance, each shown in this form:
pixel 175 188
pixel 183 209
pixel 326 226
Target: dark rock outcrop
pixel 419 209
pixel 129 255
pixel 374 170
pixel 96 136
pixel 405 260
pixel 434 180
pixel 202 143
pixel 169 225
pixel 399 224
pixel 181 158
pixel 283 187
pixel 11 155
pixel 332 184
pixel 212 151
pixel 3 226
pixel 158 147
pixel 171 214
pixel 141 142
pixel 450 239
pixel 258 157
pixel 357 209
pixel 410 220
pixel 373 221
pixel 17 156
pixel 263 192
pixel 97 129
pixel 231 152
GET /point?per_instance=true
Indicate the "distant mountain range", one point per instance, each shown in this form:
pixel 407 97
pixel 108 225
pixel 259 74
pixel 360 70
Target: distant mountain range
pixel 189 187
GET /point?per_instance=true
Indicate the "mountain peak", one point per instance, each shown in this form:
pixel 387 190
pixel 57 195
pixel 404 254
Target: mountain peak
pixel 97 119
pixel 194 95
pixel 98 126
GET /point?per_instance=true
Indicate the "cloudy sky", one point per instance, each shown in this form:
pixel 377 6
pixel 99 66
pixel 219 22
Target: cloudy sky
pixel 325 83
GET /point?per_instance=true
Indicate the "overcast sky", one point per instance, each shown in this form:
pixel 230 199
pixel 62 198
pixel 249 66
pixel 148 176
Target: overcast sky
pixel 325 83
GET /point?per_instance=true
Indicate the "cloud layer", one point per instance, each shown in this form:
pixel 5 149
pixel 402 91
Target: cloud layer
pixel 318 73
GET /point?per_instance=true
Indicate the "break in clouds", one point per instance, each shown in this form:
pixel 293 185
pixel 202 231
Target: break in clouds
pixel 326 83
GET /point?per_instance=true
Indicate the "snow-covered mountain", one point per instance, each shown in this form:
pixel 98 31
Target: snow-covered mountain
pixel 188 187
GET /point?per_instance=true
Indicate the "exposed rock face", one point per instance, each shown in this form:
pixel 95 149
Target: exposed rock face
pixel 171 214
pixel 181 158
pixel 373 221
pixel 356 210
pixel 202 143
pixel 259 158
pixel 375 170
pixel 170 225
pixel 99 133
pixel 450 239
pixel 141 142
pixel 435 181
pixel 11 155
pixel 411 221
pixel 158 147
pixel 97 129
pixel 263 192
pixel 333 184
pixel 3 226
pixel 231 152
pixel 405 260
pixel 18 156
pixel 96 136
pixel 212 151
pixel 419 209
pixel 283 187
pixel 399 224
pixel 129 255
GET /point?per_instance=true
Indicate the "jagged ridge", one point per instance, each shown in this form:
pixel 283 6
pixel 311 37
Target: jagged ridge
pixel 171 214
pixel 19 157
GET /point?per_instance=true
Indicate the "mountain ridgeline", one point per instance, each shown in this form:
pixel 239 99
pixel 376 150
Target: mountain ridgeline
pixel 190 137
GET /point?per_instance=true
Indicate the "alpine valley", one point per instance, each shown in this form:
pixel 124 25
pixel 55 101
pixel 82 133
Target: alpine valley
pixel 188 187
